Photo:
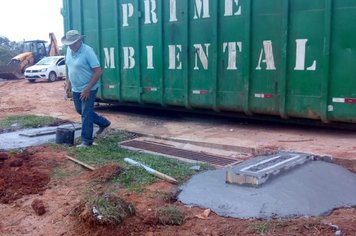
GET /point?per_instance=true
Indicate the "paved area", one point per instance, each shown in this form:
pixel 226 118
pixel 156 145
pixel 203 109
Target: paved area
pixel 313 189
pixel 26 138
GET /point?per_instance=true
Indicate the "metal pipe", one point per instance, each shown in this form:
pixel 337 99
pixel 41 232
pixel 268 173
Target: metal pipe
pixel 151 171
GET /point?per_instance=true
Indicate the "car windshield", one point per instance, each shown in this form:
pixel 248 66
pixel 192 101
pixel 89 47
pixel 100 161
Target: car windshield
pixel 47 61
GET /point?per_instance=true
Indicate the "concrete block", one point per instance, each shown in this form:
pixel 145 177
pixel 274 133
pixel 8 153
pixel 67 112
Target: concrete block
pixel 258 170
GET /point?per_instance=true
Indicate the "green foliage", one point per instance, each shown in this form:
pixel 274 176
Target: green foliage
pixel 259 228
pixel 13 123
pixel 8 50
pixel 5 56
pixel 109 209
pixel 169 215
pixel 60 173
pixel 5 42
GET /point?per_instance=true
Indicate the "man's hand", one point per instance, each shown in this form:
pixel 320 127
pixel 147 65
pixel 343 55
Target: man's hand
pixel 85 94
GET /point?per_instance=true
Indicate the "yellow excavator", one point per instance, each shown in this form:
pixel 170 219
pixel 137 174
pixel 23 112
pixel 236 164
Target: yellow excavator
pixel 32 52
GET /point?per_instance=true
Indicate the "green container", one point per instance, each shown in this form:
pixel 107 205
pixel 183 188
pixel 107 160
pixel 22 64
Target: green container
pixel 289 58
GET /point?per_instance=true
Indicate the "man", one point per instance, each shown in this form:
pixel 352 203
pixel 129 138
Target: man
pixel 84 72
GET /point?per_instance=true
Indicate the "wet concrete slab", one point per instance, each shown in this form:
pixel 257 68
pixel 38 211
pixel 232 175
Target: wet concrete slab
pixel 27 137
pixel 313 189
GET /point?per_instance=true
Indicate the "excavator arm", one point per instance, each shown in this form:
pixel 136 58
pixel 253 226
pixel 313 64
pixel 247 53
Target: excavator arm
pixel 53 49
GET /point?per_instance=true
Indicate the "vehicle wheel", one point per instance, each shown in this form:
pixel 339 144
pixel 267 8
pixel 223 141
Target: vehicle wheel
pixel 31 80
pixel 52 77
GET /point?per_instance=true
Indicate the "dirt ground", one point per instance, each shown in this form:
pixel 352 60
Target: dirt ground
pixel 41 191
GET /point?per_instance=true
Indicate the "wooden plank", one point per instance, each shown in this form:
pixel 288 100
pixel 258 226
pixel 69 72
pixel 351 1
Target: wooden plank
pixel 80 163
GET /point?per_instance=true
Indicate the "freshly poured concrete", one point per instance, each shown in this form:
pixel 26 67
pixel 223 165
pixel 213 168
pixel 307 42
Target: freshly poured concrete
pixel 313 189
pixel 18 139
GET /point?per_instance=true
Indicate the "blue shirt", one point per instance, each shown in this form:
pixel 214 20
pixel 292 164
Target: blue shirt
pixel 80 67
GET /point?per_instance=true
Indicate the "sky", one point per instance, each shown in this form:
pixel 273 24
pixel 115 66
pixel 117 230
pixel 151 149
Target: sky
pixel 31 19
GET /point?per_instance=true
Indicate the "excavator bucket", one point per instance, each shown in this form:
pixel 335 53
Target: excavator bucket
pixel 10 72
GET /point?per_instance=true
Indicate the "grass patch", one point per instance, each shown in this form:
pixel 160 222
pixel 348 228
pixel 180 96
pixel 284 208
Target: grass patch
pixel 13 123
pixel 108 210
pixel 259 228
pixel 169 215
pixel 60 173
pixel 134 178
pixel 13 152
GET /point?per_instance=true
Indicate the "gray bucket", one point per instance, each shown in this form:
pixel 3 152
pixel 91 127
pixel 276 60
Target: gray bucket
pixel 65 136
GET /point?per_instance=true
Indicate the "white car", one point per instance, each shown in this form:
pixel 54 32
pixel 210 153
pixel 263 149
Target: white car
pixel 50 68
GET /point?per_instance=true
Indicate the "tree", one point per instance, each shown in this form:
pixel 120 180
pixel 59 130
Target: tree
pixel 8 49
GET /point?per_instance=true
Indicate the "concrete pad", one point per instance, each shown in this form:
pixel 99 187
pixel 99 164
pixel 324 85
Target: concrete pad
pixel 313 189
pixel 48 130
pixel 26 138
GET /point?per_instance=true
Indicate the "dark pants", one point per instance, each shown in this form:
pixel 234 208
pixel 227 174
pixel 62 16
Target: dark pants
pixel 89 117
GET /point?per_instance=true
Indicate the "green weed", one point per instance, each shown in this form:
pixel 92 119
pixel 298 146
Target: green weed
pixel 109 209
pixel 13 123
pixel 259 228
pixel 169 215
